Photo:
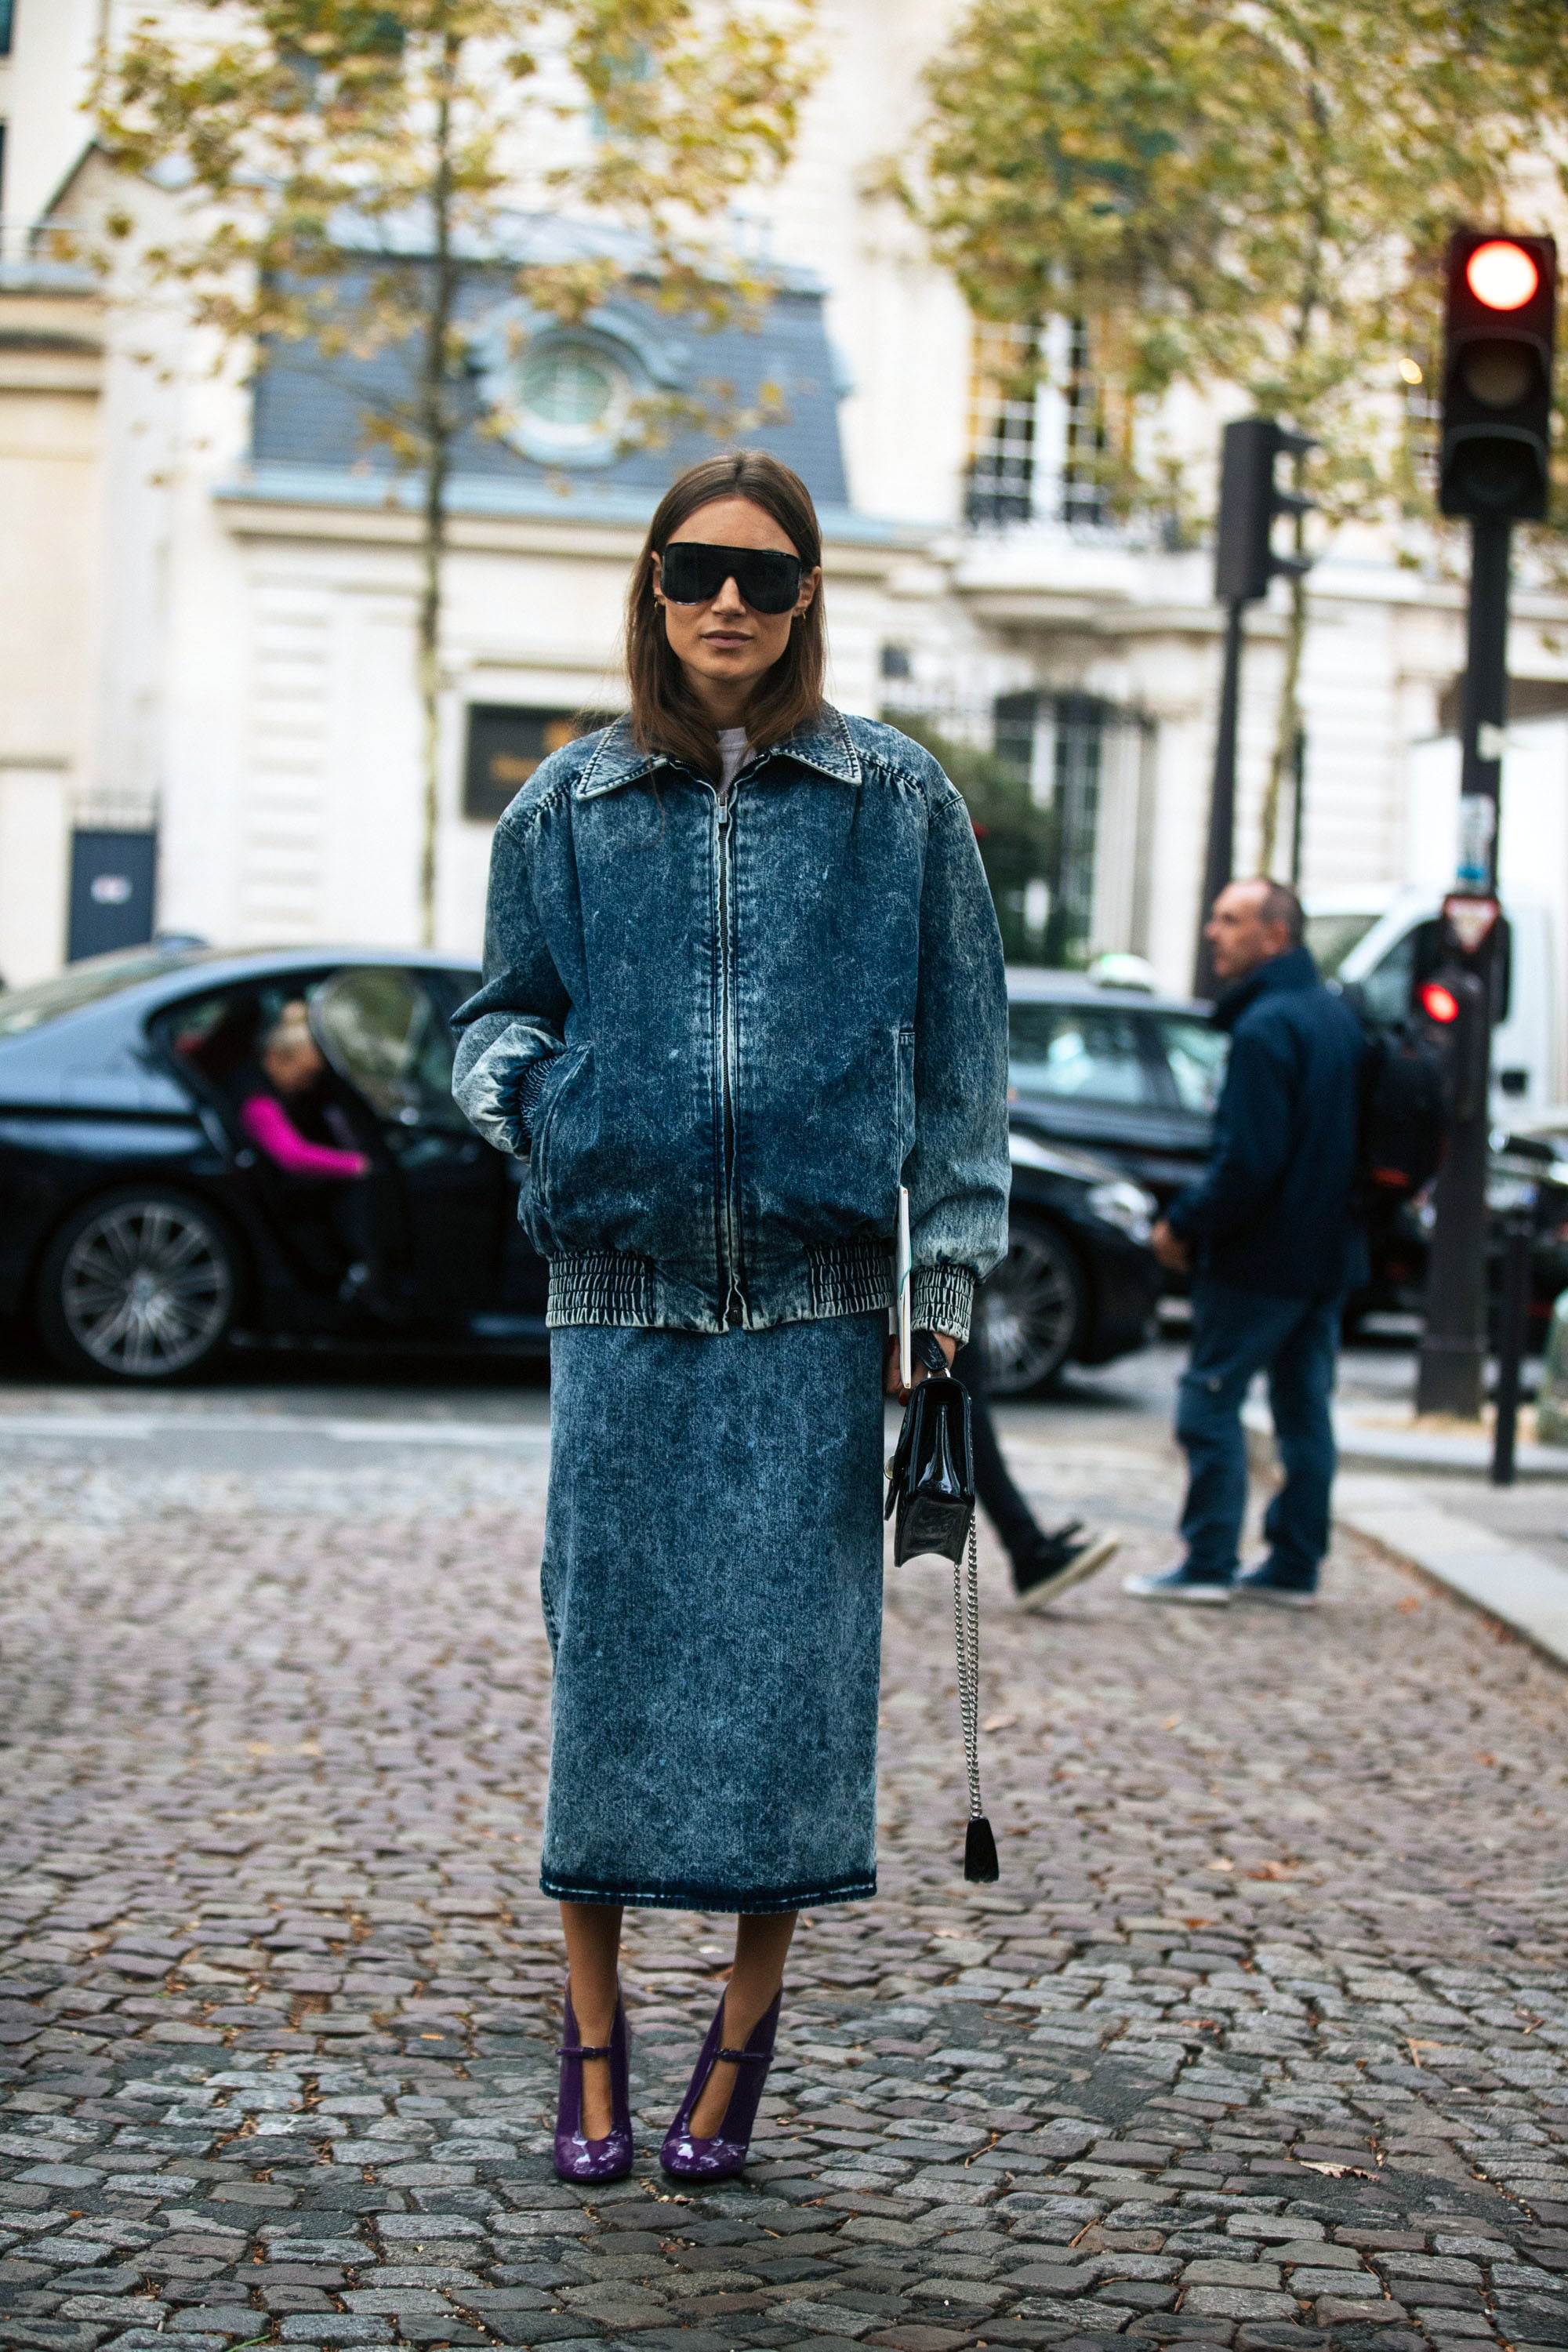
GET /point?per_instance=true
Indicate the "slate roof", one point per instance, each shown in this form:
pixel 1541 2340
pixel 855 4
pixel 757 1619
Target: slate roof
pixel 307 408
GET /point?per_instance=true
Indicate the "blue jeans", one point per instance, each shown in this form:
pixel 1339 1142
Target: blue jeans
pixel 1236 1333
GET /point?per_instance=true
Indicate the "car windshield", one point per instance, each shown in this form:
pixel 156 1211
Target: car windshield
pixel 1331 938
pixel 84 983
pixel 1075 1053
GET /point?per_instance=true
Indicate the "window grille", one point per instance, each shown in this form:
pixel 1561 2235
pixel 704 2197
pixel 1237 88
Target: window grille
pixel 1001 470
pixel 1083 458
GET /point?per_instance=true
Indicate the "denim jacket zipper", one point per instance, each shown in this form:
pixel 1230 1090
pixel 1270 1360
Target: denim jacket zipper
pixel 734 1307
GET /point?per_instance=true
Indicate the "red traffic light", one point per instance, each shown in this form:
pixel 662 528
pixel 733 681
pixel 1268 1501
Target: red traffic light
pixel 1494 457
pixel 1501 274
pixel 1438 1001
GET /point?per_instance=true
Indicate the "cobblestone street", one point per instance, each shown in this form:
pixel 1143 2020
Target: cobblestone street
pixel 1260 2041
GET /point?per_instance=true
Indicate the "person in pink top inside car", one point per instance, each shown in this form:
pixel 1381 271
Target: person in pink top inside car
pixel 292 1062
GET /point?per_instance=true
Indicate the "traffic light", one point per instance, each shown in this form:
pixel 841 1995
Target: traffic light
pixel 1499 329
pixel 1438 1001
pixel 1244 562
pixel 1454 1002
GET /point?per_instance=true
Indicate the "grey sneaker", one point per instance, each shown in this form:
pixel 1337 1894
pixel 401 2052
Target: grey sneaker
pixel 1275 1586
pixel 1178 1584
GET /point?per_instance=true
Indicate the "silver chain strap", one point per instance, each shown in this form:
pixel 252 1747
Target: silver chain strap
pixel 966 1638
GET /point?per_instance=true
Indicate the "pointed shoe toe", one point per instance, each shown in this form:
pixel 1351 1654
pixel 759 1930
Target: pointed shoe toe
pixel 685 2154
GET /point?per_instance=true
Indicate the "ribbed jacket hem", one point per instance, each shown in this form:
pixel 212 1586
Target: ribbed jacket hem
pixel 852 1278
pixel 602 1286
pixel 942 1298
pixel 675 1894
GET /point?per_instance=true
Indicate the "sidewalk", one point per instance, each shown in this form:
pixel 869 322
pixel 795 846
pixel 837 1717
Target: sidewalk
pixel 1377 1433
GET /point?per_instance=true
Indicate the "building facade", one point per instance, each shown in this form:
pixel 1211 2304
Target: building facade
pixel 208 717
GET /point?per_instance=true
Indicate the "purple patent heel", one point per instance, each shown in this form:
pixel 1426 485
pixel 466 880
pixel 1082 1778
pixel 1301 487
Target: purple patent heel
pixel 576 2158
pixel 719 2158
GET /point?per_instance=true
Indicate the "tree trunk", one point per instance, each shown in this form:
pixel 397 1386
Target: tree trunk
pixel 1287 723
pixel 437 430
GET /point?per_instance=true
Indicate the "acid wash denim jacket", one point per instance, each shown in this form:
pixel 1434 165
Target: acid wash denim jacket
pixel 724 1031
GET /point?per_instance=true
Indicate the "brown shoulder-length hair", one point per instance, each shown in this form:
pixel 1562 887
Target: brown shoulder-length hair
pixel 666 714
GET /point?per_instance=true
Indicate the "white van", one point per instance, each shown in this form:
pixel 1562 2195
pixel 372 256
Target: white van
pixel 1368 935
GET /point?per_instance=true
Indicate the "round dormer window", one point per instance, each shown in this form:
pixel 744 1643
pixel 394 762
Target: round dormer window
pixel 572 400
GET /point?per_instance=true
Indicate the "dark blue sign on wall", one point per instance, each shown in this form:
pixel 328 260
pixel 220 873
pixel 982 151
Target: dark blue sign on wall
pixel 112 877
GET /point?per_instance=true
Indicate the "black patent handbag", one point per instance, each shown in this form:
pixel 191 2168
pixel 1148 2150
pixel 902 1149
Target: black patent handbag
pixel 931 1500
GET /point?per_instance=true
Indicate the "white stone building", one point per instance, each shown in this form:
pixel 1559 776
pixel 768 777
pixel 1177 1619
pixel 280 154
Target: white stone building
pixel 207 716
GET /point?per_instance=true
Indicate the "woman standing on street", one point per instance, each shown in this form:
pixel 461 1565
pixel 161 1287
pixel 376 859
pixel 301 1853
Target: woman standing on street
pixel 742 978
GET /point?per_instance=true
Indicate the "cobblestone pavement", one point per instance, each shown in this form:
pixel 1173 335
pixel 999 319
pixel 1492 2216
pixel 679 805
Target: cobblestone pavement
pixel 1260 2041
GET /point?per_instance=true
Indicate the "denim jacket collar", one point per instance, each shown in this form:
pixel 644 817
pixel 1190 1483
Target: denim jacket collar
pixel 617 760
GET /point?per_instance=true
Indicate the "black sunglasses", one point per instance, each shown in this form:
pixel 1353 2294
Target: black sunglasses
pixel 693 574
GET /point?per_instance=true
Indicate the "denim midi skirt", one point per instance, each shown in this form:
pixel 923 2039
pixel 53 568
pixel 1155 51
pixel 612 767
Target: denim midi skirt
pixel 712 1592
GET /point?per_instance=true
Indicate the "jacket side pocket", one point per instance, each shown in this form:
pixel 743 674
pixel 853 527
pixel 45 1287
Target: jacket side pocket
pixel 566 1068
pixel 906 1050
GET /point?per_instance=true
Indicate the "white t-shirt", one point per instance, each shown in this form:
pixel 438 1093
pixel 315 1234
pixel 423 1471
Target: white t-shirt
pixel 733 753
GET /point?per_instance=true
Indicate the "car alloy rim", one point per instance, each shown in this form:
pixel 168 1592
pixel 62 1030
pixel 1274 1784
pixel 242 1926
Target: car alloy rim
pixel 1027 1310
pixel 146 1288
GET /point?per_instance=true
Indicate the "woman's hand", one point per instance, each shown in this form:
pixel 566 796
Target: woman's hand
pixel 891 1380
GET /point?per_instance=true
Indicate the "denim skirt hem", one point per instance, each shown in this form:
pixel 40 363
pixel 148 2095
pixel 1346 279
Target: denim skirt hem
pixel 750 1902
pixel 712 1590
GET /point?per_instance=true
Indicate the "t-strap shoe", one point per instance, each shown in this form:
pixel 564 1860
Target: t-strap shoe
pixel 690 2158
pixel 578 2157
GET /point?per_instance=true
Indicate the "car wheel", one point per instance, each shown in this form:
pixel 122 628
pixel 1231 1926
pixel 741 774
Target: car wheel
pixel 1030 1311
pixel 138 1285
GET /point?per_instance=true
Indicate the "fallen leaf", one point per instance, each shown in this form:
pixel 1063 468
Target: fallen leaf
pixel 1337 2172
pixel 1271 1870
pixel 1222 1862
pixel 1413 1600
pixel 1170 1722
pixel 999 1723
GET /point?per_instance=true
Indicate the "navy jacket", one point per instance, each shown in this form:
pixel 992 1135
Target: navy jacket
pixel 723 1031
pixel 1275 1211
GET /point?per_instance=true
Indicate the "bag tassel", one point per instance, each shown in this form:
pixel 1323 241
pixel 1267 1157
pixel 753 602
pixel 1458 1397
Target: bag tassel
pixel 981 1867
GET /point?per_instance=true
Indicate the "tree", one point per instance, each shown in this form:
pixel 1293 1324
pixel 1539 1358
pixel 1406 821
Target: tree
pixel 1242 194
pixel 1019 840
pixel 348 167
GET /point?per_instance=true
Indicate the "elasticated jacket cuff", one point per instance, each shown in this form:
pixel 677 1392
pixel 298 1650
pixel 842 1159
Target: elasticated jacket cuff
pixel 942 1298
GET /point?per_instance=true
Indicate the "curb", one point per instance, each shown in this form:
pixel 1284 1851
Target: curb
pixel 1521 1588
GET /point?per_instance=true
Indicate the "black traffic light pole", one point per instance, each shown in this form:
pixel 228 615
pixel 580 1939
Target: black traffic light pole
pixel 1493 468
pixel 1222 802
pixel 1452 1375
pixel 1245 563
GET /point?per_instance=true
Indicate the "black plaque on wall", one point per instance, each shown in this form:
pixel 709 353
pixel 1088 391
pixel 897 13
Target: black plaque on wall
pixel 507 740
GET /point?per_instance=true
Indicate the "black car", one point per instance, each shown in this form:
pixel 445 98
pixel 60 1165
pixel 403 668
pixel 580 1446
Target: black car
pixel 1134 1076
pixel 1131 1076
pixel 142 1226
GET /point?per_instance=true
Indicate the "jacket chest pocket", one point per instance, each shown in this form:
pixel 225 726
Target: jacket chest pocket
pixel 906 1091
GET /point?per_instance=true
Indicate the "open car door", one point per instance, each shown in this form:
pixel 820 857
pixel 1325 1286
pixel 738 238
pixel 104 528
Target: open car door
pixel 384 1033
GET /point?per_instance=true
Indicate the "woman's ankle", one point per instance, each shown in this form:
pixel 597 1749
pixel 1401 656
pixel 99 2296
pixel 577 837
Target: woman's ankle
pixel 595 2017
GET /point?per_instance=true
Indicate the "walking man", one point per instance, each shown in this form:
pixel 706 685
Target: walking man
pixel 1272 1234
pixel 1047 1561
